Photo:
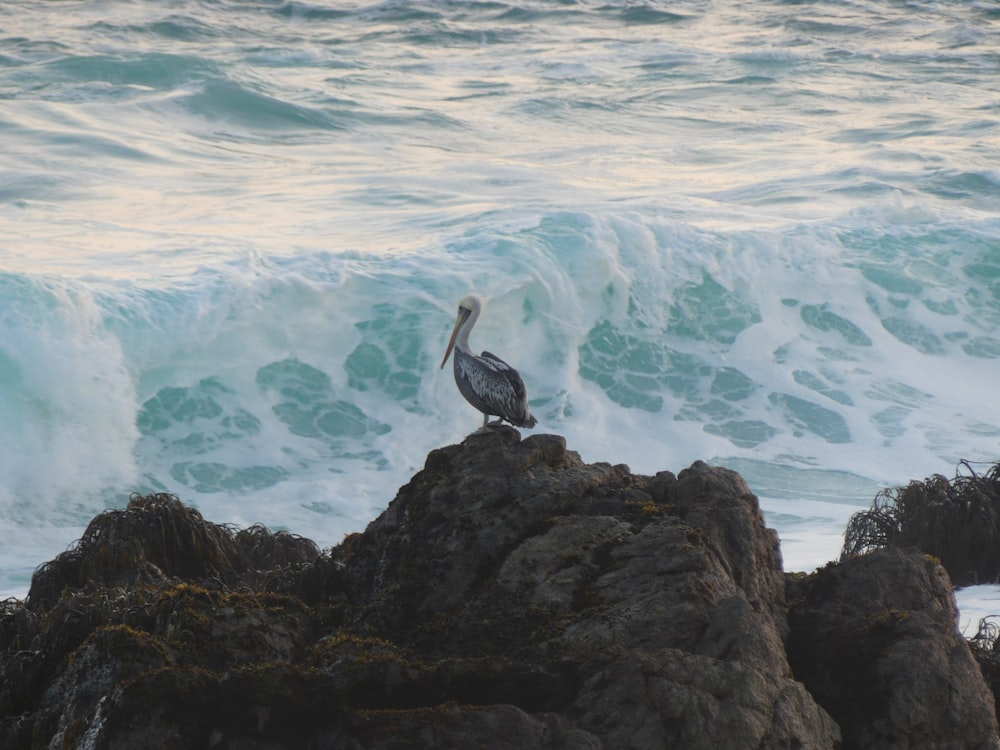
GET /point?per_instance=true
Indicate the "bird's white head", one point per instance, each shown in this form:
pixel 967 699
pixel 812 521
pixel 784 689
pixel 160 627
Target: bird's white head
pixel 469 309
pixel 474 303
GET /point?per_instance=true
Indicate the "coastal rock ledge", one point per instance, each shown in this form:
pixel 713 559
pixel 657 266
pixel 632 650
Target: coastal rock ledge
pixel 510 596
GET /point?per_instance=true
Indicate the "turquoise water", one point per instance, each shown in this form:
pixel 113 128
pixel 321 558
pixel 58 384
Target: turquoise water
pixel 235 232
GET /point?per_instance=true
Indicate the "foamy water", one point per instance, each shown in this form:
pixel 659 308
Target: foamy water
pixel 234 236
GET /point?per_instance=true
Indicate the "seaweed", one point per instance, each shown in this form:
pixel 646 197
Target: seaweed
pixel 157 539
pixel 985 646
pixel 957 521
pixel 985 641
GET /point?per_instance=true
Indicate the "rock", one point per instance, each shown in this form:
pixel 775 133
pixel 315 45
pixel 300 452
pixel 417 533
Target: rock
pixel 875 640
pixel 674 699
pixel 510 596
pixel 518 548
pixel 280 707
pixel 109 656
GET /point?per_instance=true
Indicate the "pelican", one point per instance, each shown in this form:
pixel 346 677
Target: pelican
pixel 486 381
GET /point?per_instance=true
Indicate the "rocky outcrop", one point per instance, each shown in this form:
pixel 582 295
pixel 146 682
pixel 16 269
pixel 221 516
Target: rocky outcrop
pixel 875 641
pixel 510 596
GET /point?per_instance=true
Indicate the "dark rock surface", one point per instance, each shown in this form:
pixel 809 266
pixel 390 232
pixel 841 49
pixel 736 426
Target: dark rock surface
pixel 511 596
pixel 874 640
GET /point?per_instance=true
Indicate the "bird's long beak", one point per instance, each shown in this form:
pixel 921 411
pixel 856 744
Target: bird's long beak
pixel 463 315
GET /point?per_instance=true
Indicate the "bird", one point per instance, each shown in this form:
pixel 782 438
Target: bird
pixel 486 381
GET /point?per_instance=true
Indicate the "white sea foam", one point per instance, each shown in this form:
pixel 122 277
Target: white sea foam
pixel 300 393
pixel 977 603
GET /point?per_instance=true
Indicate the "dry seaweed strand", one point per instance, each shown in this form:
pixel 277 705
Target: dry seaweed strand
pixel 985 639
pixel 156 539
pixel 957 521
pixel 985 645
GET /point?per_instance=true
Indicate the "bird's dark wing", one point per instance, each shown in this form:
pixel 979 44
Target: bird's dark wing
pixel 508 372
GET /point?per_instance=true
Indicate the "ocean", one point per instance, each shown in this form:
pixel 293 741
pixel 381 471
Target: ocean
pixel 235 232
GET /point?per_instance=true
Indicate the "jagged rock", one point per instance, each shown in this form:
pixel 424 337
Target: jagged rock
pixel 109 656
pixel 510 596
pixel 875 640
pixel 512 547
pixel 277 706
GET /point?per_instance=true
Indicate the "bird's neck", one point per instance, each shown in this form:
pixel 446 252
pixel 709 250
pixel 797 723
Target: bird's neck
pixel 462 339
